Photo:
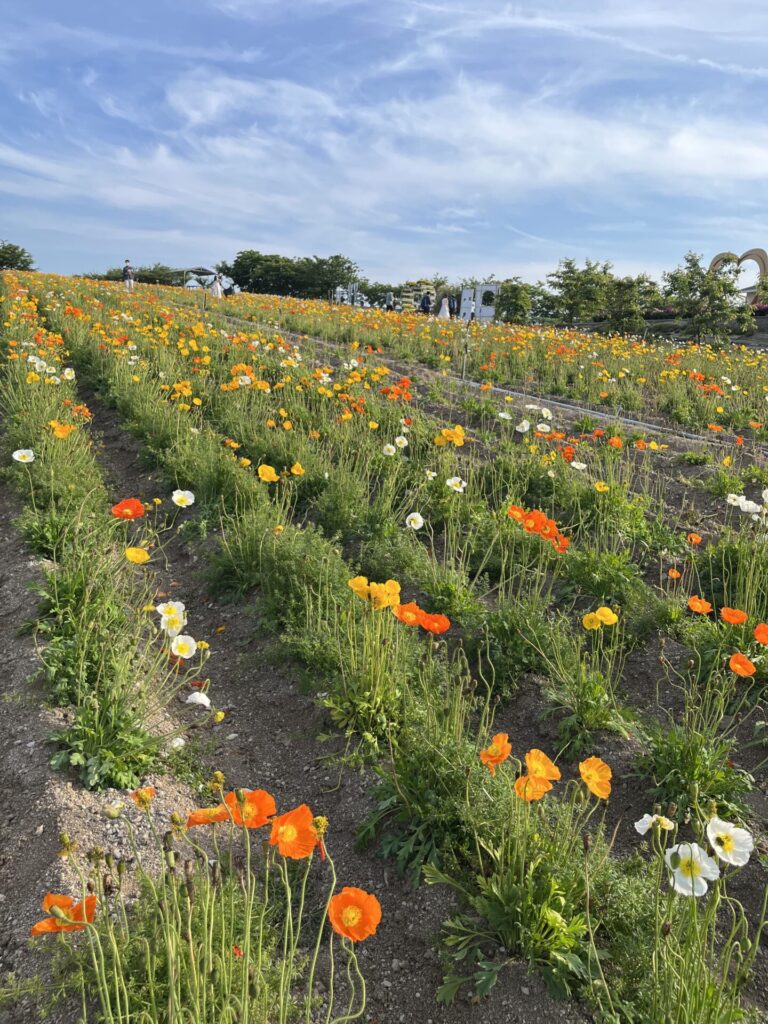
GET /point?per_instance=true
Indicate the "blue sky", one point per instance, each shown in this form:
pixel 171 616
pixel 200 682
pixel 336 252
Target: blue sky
pixel 454 136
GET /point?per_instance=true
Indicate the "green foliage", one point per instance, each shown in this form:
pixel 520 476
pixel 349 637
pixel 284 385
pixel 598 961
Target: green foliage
pixel 709 300
pixel 14 257
pixel 307 276
pixel 685 765
pixel 579 293
pixel 514 301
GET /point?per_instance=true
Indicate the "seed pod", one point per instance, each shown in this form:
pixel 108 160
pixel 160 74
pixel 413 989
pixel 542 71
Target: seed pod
pixel 666 928
pixel 587 842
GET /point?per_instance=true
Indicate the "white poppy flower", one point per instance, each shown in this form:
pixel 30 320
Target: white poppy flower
pixel 201 699
pixel 414 521
pixel 578 465
pixel 68 373
pixel 177 743
pixel 183 646
pixel 183 498
pixel 244 381
pixel 456 484
pixel 171 608
pixel 750 506
pixel 649 820
pixel 389 449
pixel 523 426
pixel 430 474
pixel 731 844
pixel 24 455
pixel 765 495
pixel 546 414
pixel 543 428
pixel 401 442
pixel 691 868
pixel 173 624
pixel 532 408
pixel 504 415
pixel 733 499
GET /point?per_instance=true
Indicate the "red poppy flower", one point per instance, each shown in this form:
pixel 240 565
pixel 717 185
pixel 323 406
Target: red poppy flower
pixel 128 508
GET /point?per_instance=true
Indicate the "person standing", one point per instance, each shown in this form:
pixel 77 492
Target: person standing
pixel 445 310
pixel 425 305
pixel 453 306
pixel 217 288
pixel 389 302
pixel 128 276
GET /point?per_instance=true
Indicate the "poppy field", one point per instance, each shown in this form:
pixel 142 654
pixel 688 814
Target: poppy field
pixel 507 589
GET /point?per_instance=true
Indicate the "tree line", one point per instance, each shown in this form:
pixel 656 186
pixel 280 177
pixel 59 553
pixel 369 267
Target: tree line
pixel 710 302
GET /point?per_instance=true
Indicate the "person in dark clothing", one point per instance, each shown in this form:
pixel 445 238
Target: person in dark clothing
pixel 453 306
pixel 425 305
pixel 128 276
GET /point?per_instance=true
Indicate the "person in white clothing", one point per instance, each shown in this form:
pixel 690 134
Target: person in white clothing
pixel 445 310
pixel 217 289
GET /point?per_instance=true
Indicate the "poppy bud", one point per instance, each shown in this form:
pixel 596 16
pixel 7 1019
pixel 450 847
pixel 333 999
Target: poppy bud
pixel 90 885
pixel 666 928
pixel 168 841
pixel 674 860
pixel 672 809
pixel 657 808
pixel 108 884
pixel 170 859
pixel 240 794
pixel 587 841
pixel 712 809
pixel 693 792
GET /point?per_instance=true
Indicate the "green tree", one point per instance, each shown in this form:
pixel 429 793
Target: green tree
pixel 709 300
pixel 580 292
pixel 376 291
pixel 514 301
pixel 311 277
pixel 13 257
pixel 628 300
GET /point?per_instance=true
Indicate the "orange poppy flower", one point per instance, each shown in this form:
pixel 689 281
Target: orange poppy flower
pixel 699 605
pixel 128 508
pixel 516 513
pixel 498 751
pixel 538 764
pixel 68 916
pixel 596 776
pixel 532 787
pixel 143 797
pixel 409 613
pixel 694 538
pixel 435 623
pixel 354 913
pixel 761 633
pixel 615 442
pixel 294 833
pixel 733 616
pixel 674 574
pixel 257 808
pixel 741 665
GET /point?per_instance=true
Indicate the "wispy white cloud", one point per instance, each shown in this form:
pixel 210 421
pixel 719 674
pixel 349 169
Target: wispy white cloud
pixel 468 136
